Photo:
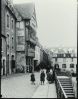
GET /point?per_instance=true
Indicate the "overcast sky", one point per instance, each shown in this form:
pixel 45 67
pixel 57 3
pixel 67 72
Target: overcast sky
pixel 57 22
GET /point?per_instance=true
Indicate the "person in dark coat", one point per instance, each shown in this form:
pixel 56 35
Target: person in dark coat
pixel 53 75
pixel 42 77
pixel 48 76
pixel 33 78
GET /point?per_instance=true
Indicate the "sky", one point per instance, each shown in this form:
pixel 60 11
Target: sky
pixel 57 22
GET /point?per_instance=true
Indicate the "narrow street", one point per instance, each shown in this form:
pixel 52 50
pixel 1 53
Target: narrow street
pixel 21 87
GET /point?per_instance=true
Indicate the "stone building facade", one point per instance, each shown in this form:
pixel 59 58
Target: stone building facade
pixel 26 50
pixel 8 38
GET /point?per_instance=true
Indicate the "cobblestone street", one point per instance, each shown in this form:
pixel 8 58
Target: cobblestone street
pixel 21 87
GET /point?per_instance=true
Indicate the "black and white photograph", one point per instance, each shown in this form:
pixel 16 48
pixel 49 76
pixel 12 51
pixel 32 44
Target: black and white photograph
pixel 38 45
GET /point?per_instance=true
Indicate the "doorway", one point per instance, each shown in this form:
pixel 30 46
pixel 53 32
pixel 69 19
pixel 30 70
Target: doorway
pixel 3 67
pixel 7 64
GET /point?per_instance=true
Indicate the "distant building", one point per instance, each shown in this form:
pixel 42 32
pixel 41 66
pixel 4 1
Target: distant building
pixel 26 35
pixel 8 37
pixel 65 61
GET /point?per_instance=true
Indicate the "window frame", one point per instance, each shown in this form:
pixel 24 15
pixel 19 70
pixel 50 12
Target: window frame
pixel 12 24
pixel 8 21
pixel 64 65
pixel 72 65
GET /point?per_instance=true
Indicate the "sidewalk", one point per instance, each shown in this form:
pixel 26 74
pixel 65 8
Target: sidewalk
pixel 45 91
pixel 13 75
pixel 16 86
pixel 19 86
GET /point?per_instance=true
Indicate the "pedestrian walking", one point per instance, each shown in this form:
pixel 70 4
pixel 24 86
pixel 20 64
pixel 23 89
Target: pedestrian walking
pixel 48 76
pixel 33 78
pixel 42 77
pixel 53 75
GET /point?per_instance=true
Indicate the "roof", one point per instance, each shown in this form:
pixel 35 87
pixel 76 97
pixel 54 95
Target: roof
pixel 25 10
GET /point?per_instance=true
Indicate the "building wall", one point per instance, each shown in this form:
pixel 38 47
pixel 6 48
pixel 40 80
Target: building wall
pixel 41 55
pixel 37 54
pixel 10 39
pixel 20 44
pixel 3 70
pixel 3 17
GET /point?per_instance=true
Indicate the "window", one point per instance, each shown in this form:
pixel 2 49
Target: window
pixel 7 38
pixel 72 59
pixel 71 65
pixel 12 42
pixel 18 24
pixel 12 24
pixel 56 59
pixel 68 55
pixel 56 66
pixel 21 40
pixel 8 21
pixel 21 25
pixel 63 65
pixel 60 55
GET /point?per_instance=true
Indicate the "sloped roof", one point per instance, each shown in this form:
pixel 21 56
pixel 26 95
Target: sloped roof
pixel 25 10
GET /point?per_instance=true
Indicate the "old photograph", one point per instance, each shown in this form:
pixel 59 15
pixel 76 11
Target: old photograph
pixel 38 48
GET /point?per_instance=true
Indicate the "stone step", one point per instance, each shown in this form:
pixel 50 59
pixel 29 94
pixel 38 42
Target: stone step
pixel 68 91
pixel 64 80
pixel 67 87
pixel 66 84
pixel 70 96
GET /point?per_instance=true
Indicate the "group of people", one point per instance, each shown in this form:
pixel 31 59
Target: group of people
pixel 50 77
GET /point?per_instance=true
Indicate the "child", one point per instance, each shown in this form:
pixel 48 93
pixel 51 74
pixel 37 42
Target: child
pixel 33 78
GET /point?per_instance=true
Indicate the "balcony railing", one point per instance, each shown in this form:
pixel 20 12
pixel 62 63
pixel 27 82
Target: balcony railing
pixel 63 85
pixel 59 90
